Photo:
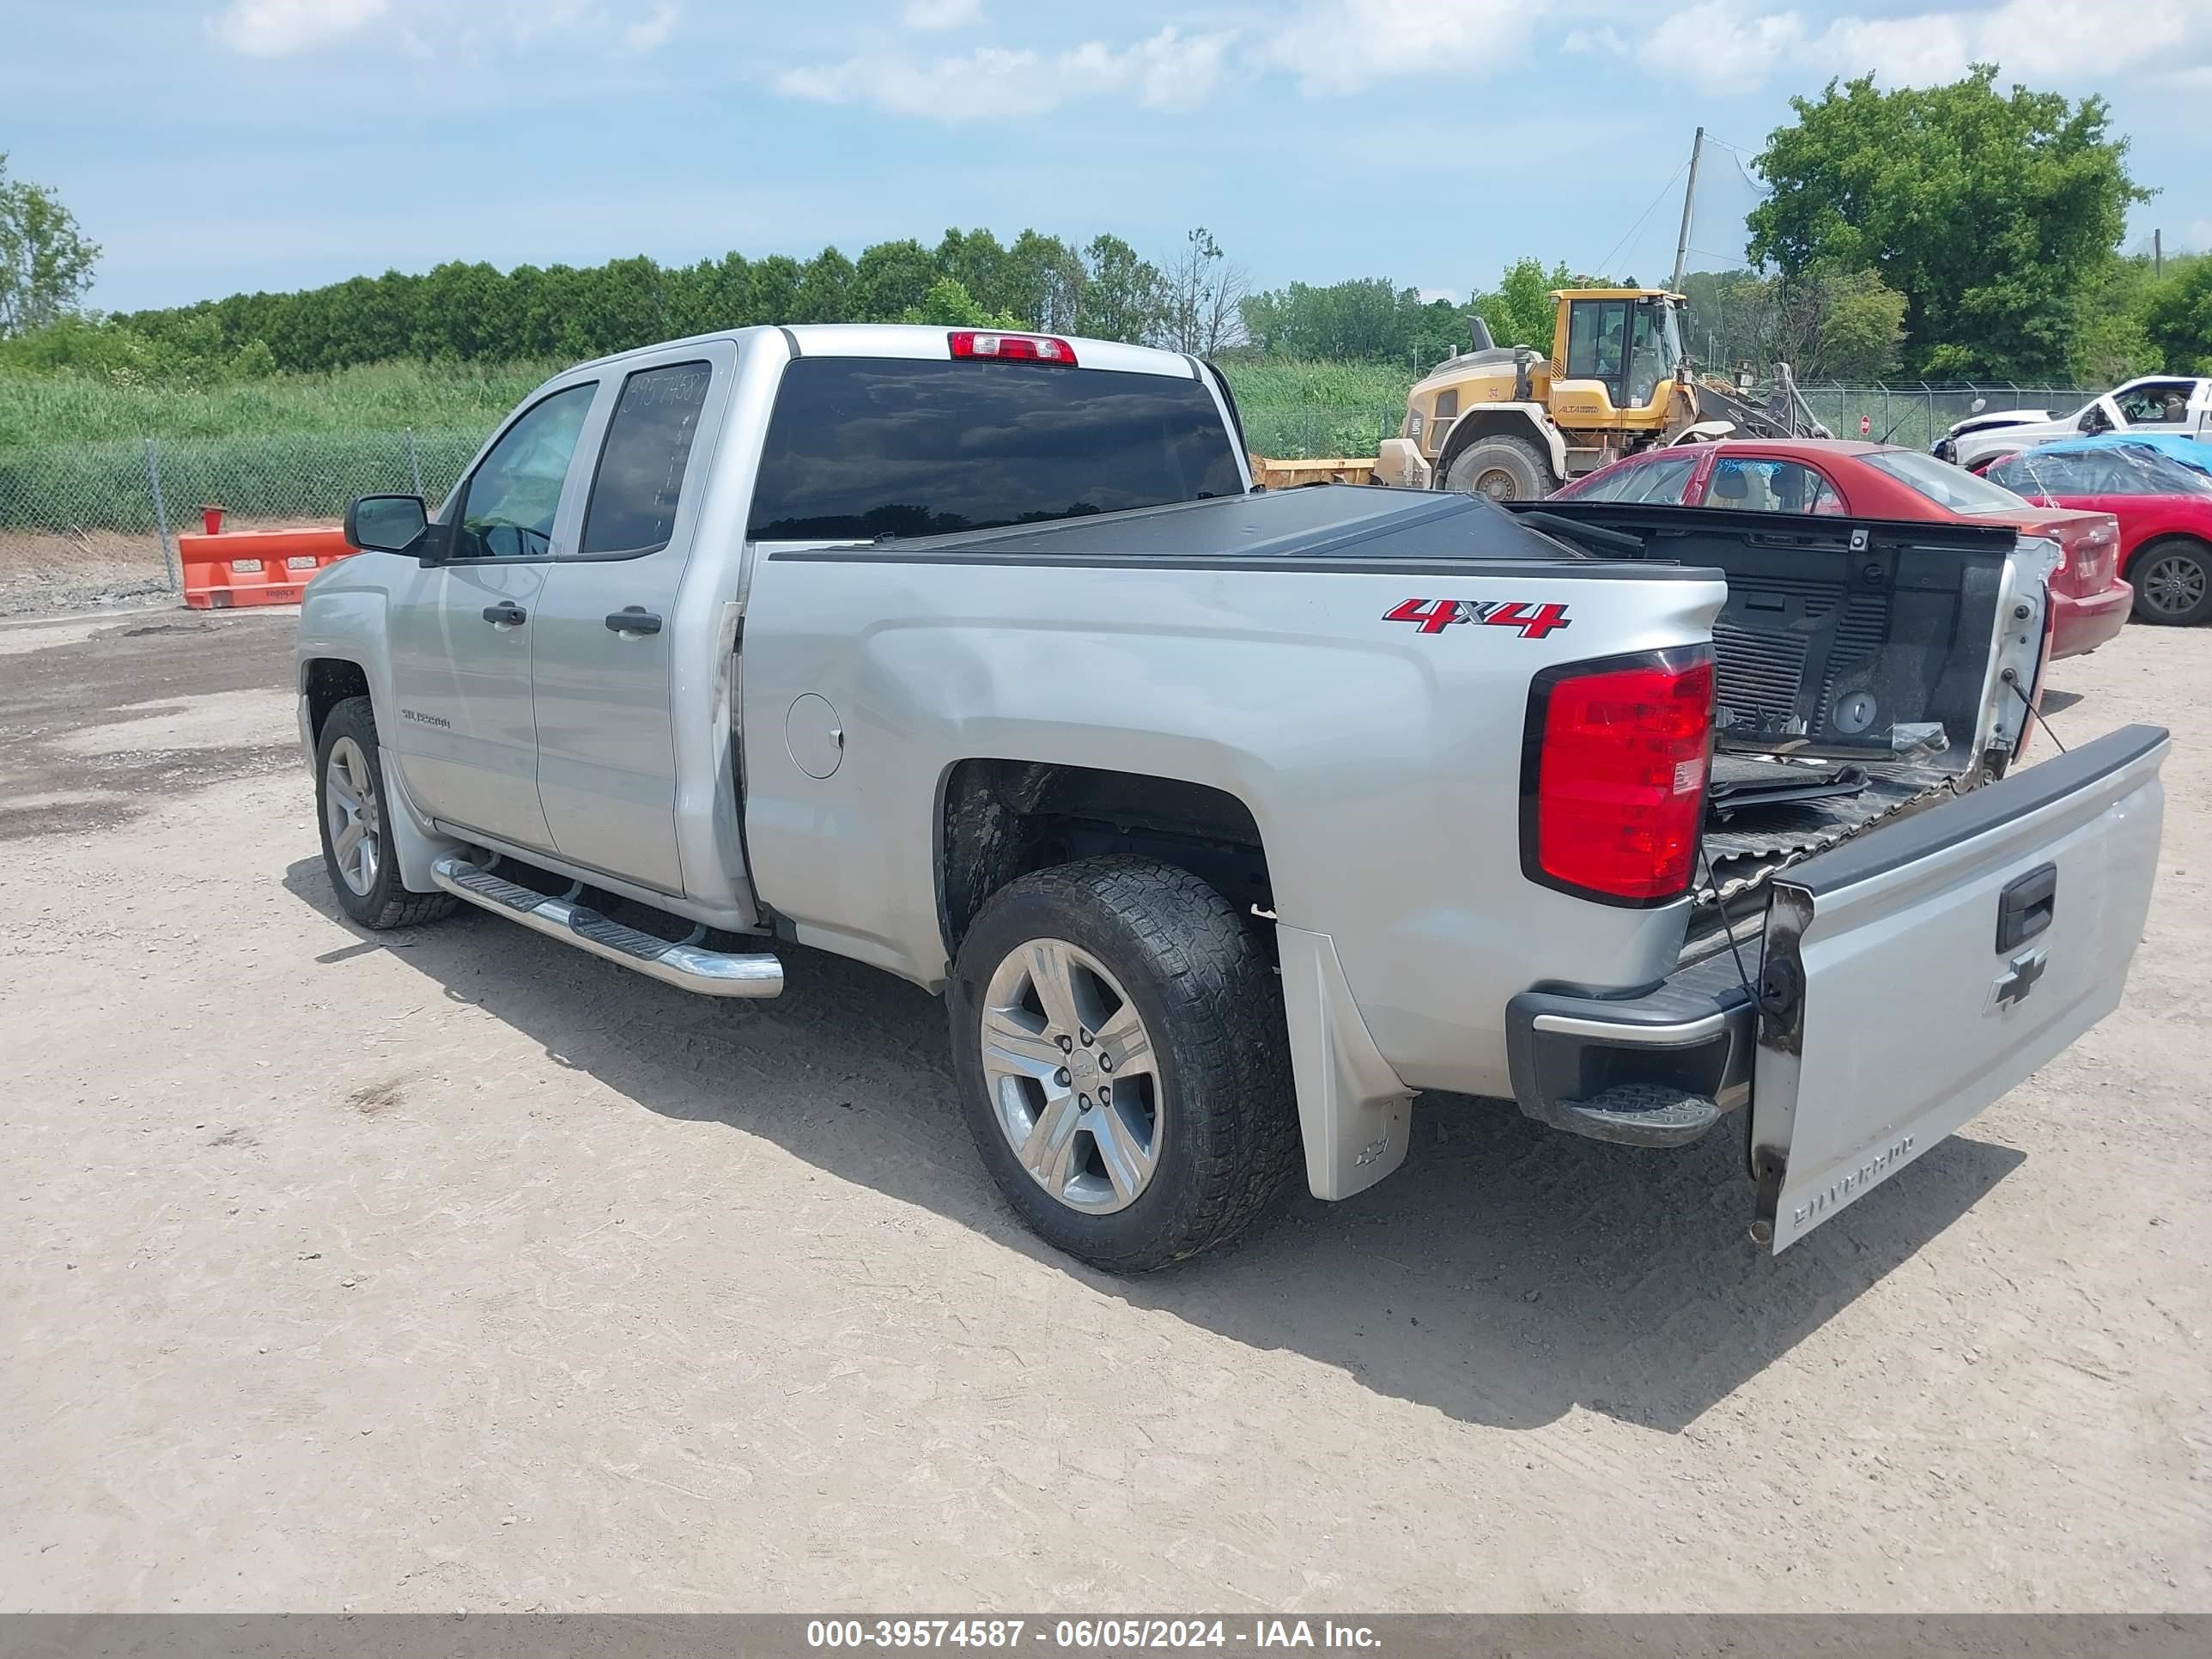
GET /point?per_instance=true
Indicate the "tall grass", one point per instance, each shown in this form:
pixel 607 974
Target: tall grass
pixel 72 447
pixel 36 410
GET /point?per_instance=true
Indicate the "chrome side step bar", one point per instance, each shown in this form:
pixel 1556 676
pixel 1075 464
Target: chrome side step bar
pixel 709 973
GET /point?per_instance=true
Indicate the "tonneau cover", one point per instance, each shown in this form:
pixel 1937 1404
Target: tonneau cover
pixel 1359 526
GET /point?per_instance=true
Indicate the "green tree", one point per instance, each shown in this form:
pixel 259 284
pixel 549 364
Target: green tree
pixel 1991 213
pixel 1519 310
pixel 826 292
pixel 2177 318
pixel 45 263
pixel 949 305
pixel 889 278
pixel 1368 320
pixel 1042 282
pixel 976 261
pixel 2110 343
pixel 1123 296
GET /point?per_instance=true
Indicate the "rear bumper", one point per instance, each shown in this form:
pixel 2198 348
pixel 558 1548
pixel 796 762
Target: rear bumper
pixel 1655 1070
pixel 2079 624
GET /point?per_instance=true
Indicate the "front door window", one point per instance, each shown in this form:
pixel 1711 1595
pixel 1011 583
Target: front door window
pixel 508 505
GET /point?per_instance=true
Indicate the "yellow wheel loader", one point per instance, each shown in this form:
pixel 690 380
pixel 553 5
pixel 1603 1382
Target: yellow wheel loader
pixel 1515 425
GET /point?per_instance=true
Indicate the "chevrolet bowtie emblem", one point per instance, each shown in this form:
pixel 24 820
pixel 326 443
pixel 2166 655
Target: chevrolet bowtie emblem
pixel 2018 979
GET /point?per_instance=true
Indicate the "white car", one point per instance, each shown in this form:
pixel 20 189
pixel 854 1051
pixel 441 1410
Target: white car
pixel 2156 403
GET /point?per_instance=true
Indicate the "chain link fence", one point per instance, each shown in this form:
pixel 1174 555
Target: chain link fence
pixel 1916 415
pixel 90 509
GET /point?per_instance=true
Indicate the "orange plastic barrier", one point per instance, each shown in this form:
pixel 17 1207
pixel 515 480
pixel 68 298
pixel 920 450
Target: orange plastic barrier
pixel 256 567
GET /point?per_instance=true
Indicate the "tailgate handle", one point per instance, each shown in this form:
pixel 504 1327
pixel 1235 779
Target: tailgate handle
pixel 2026 907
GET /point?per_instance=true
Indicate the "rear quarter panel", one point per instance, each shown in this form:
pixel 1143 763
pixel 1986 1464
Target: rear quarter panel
pixel 1381 763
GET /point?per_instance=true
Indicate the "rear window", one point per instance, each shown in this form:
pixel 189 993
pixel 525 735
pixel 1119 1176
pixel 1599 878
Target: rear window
pixel 1657 483
pixel 1941 482
pixel 861 447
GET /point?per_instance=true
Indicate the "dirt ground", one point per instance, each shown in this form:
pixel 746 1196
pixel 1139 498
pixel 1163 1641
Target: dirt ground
pixel 453 1270
pixel 45 572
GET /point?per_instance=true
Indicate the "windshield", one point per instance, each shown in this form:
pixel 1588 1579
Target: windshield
pixel 1941 482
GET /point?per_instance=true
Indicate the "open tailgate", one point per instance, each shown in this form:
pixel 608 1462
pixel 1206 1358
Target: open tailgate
pixel 1913 975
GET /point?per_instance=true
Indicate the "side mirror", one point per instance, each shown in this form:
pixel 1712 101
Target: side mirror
pixel 386 524
pixel 2092 420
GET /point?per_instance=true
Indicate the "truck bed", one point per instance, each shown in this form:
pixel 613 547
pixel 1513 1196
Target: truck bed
pixel 1846 646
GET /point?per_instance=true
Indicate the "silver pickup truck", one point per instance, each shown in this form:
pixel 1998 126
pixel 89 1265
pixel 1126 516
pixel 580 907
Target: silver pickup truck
pixel 1228 821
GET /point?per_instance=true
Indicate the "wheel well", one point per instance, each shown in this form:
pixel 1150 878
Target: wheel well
pixel 1479 424
pixel 328 682
pixel 1003 819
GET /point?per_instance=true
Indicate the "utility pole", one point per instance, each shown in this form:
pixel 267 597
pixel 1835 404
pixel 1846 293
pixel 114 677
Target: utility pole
pixel 2158 253
pixel 1689 195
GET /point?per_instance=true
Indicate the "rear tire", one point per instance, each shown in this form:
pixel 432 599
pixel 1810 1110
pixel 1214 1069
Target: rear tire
pixel 354 809
pixel 1503 469
pixel 2173 581
pixel 1188 1010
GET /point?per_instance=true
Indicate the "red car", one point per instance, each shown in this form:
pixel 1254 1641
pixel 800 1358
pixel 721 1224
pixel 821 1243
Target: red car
pixel 2089 602
pixel 2164 509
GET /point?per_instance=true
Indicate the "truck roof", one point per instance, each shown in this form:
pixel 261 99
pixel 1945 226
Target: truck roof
pixel 924 341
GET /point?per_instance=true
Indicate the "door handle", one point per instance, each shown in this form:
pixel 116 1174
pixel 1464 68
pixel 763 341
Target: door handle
pixel 633 619
pixel 508 615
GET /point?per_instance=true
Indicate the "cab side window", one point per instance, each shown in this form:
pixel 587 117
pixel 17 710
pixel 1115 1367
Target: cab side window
pixel 2160 403
pixel 642 465
pixel 508 505
pixel 1751 486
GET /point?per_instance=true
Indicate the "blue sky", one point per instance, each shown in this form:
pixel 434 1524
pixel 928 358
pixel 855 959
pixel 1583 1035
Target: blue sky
pixel 213 145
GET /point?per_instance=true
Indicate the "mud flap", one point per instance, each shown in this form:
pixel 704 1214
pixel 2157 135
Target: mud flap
pixel 1912 976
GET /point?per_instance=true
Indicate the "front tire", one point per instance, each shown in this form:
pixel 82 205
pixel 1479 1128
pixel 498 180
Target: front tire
pixel 1119 1043
pixel 1503 469
pixel 2173 582
pixel 354 811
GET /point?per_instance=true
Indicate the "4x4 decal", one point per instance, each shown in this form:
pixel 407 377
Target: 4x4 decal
pixel 1534 622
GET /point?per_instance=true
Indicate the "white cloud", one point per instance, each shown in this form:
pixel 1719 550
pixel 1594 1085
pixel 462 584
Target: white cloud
pixel 1348 46
pixel 1430 295
pixel 1170 71
pixel 649 32
pixel 1721 46
pixel 277 28
pixel 941 14
pixel 1737 45
pixel 424 29
pixel 1606 41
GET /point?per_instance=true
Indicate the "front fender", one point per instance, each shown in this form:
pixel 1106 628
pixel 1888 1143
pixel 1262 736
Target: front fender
pixel 344 622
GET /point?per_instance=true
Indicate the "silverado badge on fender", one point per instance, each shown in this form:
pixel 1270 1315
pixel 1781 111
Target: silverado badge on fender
pixel 1534 622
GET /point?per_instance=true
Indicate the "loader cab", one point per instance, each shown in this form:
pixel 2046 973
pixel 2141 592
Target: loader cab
pixel 1623 346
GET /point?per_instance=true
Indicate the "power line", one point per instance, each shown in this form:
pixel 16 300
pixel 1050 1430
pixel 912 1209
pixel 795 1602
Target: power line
pixel 1605 264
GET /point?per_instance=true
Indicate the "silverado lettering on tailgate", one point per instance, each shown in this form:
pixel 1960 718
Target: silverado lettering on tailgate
pixel 1850 1184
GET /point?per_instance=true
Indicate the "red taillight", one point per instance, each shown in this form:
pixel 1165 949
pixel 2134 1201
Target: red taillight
pixel 1614 785
pixel 1025 348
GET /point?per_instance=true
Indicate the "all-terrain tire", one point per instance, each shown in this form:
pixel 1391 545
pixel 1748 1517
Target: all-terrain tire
pixel 387 903
pixel 1503 469
pixel 1212 1007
